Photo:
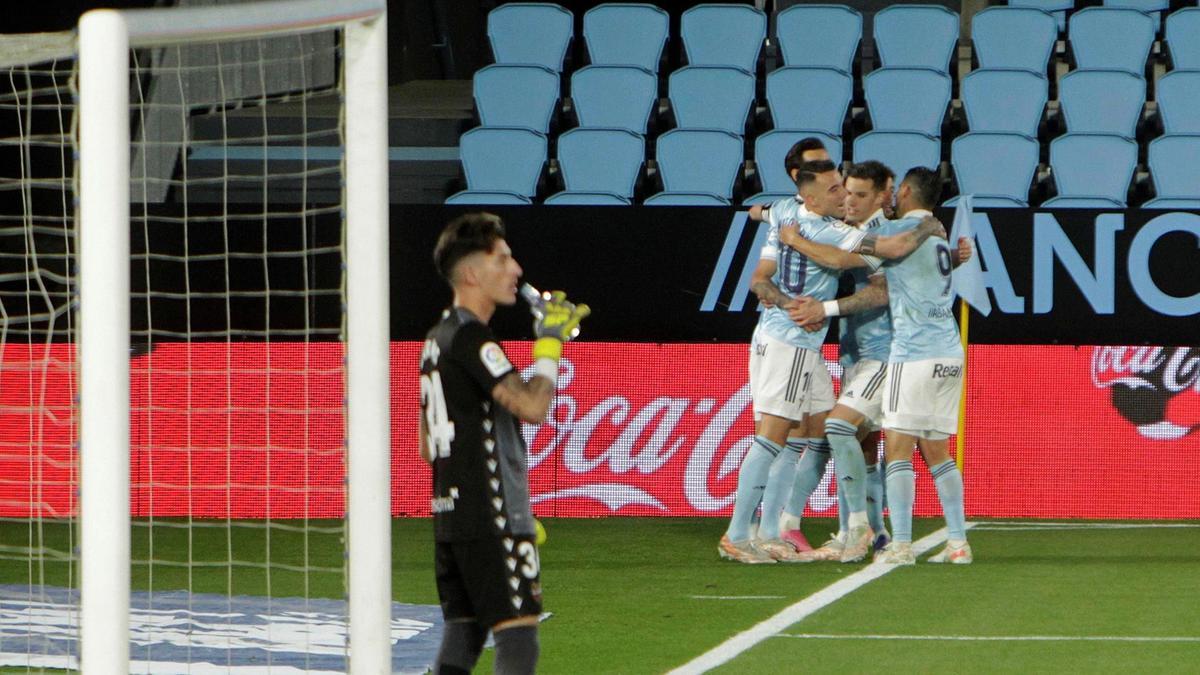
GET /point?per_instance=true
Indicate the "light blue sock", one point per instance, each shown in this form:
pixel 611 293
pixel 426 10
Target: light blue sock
pixel 843 508
pixel 950 493
pixel 850 465
pixel 779 488
pixel 752 479
pixel 901 489
pixel 875 497
pixel 809 472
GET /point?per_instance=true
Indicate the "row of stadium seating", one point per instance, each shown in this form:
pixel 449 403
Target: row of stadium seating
pixel 706 167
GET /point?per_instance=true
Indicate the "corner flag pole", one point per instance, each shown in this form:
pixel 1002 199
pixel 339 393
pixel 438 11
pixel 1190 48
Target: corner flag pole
pixel 964 320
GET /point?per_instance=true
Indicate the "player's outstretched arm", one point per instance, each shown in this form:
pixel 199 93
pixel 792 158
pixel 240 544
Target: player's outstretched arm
pixel 822 254
pixel 808 311
pixel 892 246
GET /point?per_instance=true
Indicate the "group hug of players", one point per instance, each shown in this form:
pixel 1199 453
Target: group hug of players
pixel 900 352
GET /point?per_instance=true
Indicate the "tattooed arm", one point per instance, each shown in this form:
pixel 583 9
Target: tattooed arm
pixel 529 401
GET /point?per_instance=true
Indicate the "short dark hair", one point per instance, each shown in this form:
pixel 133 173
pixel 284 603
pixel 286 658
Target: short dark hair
pixel 926 185
pixel 809 170
pixel 795 156
pixel 876 172
pixel 466 234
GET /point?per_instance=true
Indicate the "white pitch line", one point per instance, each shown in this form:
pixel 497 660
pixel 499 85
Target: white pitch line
pixel 992 638
pixel 727 650
pixel 736 597
pixel 1018 526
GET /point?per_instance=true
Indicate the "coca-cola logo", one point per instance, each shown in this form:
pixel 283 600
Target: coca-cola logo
pixel 1146 382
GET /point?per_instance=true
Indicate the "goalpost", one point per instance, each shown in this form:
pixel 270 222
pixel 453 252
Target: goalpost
pixel 232 164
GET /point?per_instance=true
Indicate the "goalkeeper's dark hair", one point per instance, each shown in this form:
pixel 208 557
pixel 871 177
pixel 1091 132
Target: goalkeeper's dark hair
pixel 466 234
pixel 810 170
pixel 926 186
pixel 795 156
pixel 876 172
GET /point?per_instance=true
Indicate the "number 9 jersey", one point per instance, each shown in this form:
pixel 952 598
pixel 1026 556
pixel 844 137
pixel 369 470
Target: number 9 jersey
pixel 480 478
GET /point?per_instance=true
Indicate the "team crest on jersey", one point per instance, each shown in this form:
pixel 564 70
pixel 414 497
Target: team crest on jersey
pixel 494 359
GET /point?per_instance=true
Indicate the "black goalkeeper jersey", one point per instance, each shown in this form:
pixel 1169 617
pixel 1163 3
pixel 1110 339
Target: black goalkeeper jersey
pixel 480 479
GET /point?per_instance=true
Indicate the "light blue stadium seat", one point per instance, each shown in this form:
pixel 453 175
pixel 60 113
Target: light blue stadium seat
pixel 767 198
pixel 1057 8
pixel 1183 38
pixel 1010 101
pixel 487 197
pixel 794 106
pixel 536 33
pixel 1179 102
pixel 771 148
pixel 907 99
pixel 1104 38
pixel 568 198
pixel 916 36
pixel 699 161
pixel 1090 169
pixel 626 34
pixel 1172 203
pixel 614 96
pixel 899 150
pixel 1154 8
pixel 600 160
pixel 997 168
pixel 711 97
pixel 1014 37
pixel 503 159
pixel 1174 169
pixel 723 35
pixel 1102 101
pixel 516 96
pixel 819 36
pixel 686 199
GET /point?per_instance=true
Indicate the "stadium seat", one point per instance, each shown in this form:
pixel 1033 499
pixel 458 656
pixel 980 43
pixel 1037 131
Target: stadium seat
pixel 1183 38
pixel 723 35
pixel 1175 171
pixel 771 148
pixel 1179 102
pixel 916 36
pixel 503 159
pixel 535 33
pixel 907 99
pixel 1090 169
pixel 711 97
pixel 1057 8
pixel 686 199
pixel 793 105
pixel 626 34
pixel 1014 37
pixel 699 161
pixel 516 96
pixel 1102 101
pixel 614 96
pixel 1009 101
pixel 1173 203
pixel 767 198
pixel 1154 8
pixel 899 150
pixel 819 36
pixel 1092 31
pixel 487 197
pixel 996 168
pixel 601 160
pixel 568 198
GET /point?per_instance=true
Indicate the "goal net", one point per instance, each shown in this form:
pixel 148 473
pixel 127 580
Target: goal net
pixel 194 342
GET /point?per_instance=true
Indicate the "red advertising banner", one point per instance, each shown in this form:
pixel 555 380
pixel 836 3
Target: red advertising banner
pixel 255 430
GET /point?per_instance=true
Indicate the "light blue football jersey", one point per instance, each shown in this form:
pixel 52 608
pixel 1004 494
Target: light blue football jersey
pixel 921 298
pixel 795 274
pixel 867 335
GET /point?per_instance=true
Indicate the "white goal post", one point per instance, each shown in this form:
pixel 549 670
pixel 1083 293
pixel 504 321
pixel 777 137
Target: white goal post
pixel 105 40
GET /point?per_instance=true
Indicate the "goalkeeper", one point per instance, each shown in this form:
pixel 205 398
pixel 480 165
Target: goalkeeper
pixel 471 400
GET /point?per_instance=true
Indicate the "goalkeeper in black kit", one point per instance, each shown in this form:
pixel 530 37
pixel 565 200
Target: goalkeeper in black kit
pixel 471 400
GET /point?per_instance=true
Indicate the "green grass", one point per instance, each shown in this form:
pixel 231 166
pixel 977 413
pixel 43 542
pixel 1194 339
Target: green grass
pixel 621 590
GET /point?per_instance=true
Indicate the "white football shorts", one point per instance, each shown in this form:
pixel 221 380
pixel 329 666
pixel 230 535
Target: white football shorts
pixel 923 396
pixel 787 381
pixel 862 390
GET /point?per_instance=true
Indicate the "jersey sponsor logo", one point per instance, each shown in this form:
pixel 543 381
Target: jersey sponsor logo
pixel 444 504
pixel 941 370
pixel 493 359
pixel 941 313
pixel 1156 389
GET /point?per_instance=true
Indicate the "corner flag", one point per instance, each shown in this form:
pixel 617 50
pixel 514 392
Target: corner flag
pixel 968 278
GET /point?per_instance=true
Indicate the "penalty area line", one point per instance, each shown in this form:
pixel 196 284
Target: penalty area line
pixel 992 638
pixel 729 649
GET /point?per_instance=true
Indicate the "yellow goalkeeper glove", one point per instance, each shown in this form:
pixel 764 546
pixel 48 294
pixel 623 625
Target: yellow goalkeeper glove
pixel 556 321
